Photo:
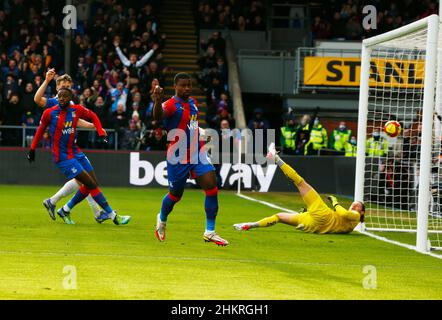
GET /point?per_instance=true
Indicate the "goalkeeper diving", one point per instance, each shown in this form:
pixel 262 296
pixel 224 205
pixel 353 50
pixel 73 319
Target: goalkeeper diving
pixel 318 218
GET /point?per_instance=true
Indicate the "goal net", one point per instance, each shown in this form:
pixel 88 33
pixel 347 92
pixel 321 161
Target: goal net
pixel 400 179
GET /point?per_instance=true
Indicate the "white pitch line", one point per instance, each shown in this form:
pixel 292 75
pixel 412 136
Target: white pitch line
pixel 407 246
pixel 265 203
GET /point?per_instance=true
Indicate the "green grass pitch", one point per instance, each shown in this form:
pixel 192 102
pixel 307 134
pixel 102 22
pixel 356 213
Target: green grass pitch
pixel 127 262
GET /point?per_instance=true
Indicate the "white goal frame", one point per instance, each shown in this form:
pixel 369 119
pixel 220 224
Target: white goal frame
pixel 431 24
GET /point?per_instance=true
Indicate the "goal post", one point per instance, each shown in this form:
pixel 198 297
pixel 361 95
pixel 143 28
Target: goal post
pixel 398 82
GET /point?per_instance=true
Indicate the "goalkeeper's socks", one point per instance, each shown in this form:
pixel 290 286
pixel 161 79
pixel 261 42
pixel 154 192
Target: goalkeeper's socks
pixel 292 174
pixel 77 198
pixel 169 201
pixel 101 200
pixel 211 208
pixel 266 222
pixel 66 190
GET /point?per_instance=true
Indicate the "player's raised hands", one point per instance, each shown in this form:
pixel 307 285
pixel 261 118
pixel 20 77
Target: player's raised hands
pixel 333 200
pixel 50 75
pixel 158 93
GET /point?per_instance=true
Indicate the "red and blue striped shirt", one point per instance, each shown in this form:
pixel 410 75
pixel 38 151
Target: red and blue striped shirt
pixel 183 115
pixel 62 125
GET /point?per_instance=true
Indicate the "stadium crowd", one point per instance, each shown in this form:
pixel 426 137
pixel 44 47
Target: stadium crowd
pixel 231 14
pixel 116 60
pixel 342 19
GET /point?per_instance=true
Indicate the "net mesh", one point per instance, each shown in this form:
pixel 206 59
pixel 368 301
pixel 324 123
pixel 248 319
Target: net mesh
pixel 392 164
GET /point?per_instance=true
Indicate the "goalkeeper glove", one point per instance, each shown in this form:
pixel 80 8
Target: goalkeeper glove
pixel 31 156
pixel 333 200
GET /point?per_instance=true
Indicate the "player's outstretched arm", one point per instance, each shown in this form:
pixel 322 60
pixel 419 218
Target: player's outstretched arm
pixel 158 112
pixel 39 95
pixel 87 114
pixel 87 125
pixel 333 200
pixel 350 215
pixel 44 122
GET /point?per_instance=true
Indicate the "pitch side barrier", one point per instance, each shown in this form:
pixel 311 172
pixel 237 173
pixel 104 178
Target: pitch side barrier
pixel 330 174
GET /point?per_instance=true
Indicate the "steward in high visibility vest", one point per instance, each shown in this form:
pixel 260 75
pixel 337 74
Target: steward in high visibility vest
pixel 318 139
pixel 376 146
pixel 351 147
pixel 340 137
pixel 288 136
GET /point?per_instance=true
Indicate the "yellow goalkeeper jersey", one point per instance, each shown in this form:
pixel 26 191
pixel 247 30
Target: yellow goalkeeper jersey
pixel 319 218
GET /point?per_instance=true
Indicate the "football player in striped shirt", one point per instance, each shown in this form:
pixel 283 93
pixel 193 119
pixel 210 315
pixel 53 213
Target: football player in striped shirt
pixel 71 186
pixel 62 121
pixel 180 113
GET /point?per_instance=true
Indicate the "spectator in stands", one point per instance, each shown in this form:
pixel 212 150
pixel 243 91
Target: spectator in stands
pixel 354 28
pixel 13 116
pixel 258 121
pixel 205 16
pixel 431 9
pixel 119 96
pixel 320 28
pixel 338 30
pixel 131 138
pixel 46 140
pixel 303 131
pixel 11 69
pixel 224 115
pixel 27 100
pixel 351 147
pixel 318 139
pixel 214 90
pixel 153 72
pixel 29 121
pixel 119 121
pixel 376 145
pixel 257 24
pixel 132 63
pixel 288 136
pixel 101 108
pixel 156 140
pixel 208 70
pixel 222 22
pixel 217 42
pixel 136 105
pixel 340 137
pixel 221 70
pixel 302 135
pixel 10 87
pixel 241 24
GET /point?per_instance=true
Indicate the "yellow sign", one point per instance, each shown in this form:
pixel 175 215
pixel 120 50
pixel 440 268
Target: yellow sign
pixel 345 72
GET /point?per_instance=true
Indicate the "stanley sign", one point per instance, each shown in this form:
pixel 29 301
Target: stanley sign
pixel 345 72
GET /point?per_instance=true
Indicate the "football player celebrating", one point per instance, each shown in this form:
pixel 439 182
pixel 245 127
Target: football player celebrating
pixel 64 81
pixel 180 114
pixel 62 121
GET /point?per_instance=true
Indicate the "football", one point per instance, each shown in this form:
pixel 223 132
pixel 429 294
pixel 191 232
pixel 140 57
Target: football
pixel 392 128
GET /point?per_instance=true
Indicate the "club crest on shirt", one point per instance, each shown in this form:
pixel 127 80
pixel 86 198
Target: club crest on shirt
pixel 193 122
